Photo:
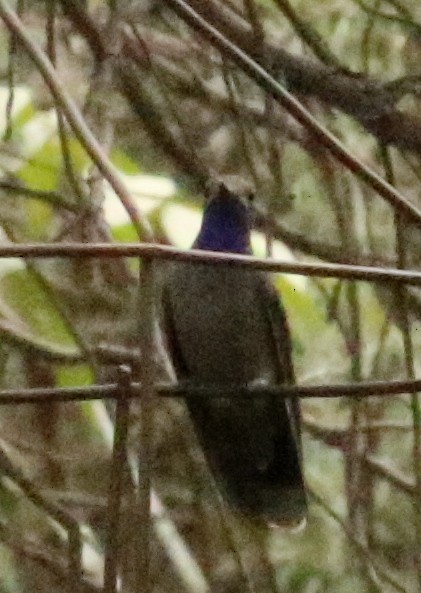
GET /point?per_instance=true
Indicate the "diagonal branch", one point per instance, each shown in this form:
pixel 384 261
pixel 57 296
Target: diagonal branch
pixel 74 117
pixel 368 100
pixel 249 64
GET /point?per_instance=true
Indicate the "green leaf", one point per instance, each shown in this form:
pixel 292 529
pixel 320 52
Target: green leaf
pixel 306 315
pixel 39 220
pixel 24 295
pixel 124 162
pixel 74 375
pixel 41 171
pixel 44 169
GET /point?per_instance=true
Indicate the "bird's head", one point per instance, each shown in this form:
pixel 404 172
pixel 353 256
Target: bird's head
pixel 226 222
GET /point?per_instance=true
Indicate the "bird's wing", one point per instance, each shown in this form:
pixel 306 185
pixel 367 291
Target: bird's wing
pixel 274 492
pixel 271 302
pixel 170 333
pixel 280 329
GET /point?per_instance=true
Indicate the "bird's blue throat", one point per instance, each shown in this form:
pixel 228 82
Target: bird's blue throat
pixel 225 227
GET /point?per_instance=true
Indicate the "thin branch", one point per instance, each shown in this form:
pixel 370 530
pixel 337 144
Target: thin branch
pixel 110 391
pixel 140 100
pixel 75 118
pixel 164 252
pixel 240 120
pixel 371 102
pixel 11 79
pixel 50 197
pixel 406 21
pixel 119 461
pixel 53 510
pixel 296 109
pixel 186 144
pixel 384 470
pixel 23 548
pixel 362 550
pixel 13 335
pixel 61 123
pixel 146 328
pixel 379 467
pixel 309 35
pixel 408 344
pixel 366 40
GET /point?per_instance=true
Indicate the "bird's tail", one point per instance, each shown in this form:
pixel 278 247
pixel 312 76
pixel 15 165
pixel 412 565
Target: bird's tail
pixel 253 450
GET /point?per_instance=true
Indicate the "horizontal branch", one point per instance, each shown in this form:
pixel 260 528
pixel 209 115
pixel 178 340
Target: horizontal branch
pixel 111 391
pixel 51 197
pixel 165 252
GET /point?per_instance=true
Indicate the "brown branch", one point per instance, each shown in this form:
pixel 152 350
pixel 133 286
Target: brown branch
pixel 366 99
pixel 136 93
pixel 361 549
pixel 74 117
pixel 75 12
pixel 340 439
pixel 309 35
pixel 52 509
pixel 164 252
pixel 153 121
pixel 110 391
pixel 147 345
pixel 249 63
pixel 235 40
pixel 51 197
pixel 119 460
pixel 23 548
pixel 392 475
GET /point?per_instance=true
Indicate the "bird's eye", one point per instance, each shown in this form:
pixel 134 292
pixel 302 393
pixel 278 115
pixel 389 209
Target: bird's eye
pixel 250 197
pixel 211 188
pixel 223 190
pixel 215 189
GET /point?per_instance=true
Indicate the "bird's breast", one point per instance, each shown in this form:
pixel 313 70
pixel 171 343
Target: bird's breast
pixel 222 331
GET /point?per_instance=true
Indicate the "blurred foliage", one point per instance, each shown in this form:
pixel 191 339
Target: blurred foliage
pixel 191 114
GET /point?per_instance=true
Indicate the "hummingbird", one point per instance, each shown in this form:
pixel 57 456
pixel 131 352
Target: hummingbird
pixel 225 327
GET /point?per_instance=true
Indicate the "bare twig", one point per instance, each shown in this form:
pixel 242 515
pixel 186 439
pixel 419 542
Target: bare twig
pixel 74 117
pixel 296 109
pixel 110 391
pixel 165 252
pixel 309 35
pixel 365 554
pixel 53 510
pixel 147 316
pixel 408 345
pixel 11 79
pixel 65 149
pixel 119 462
pixel 25 549
pixel 51 197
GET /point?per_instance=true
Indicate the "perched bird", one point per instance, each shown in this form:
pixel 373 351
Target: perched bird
pixel 225 327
